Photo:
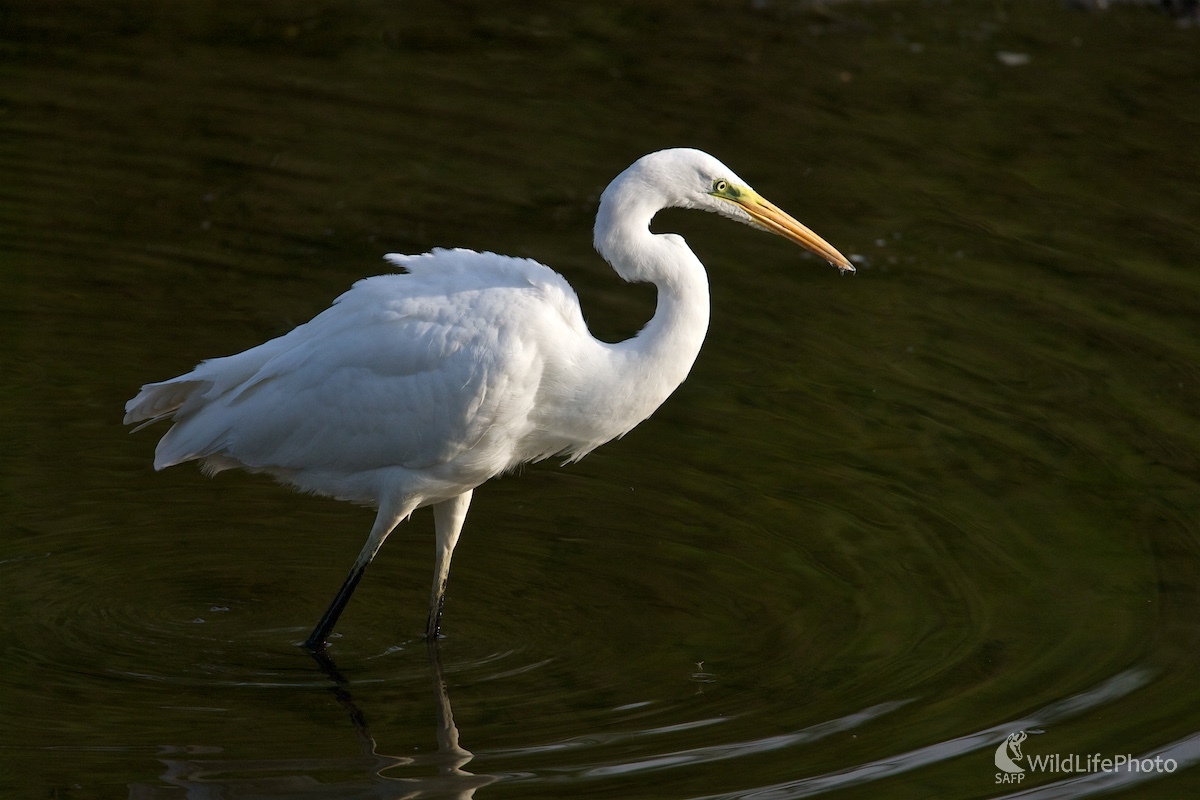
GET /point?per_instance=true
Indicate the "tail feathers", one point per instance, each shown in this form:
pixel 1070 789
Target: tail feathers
pixel 176 399
pixel 157 401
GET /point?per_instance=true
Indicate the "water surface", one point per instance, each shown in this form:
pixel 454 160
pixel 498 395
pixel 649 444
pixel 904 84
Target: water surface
pixel 889 519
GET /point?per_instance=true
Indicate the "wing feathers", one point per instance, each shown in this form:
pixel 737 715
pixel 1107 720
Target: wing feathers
pixel 431 371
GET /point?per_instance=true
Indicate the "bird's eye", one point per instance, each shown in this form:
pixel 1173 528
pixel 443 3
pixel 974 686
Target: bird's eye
pixel 720 186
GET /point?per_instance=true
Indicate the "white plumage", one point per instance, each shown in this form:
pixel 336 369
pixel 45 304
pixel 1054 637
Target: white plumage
pixel 412 389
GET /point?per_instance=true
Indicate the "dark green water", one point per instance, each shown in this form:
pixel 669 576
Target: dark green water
pixel 888 520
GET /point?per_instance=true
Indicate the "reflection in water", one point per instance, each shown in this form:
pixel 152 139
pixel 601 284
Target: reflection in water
pixel 721 752
pixel 1185 752
pixel 368 775
pixel 295 777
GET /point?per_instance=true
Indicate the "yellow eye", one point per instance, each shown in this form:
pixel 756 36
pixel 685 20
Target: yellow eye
pixel 720 186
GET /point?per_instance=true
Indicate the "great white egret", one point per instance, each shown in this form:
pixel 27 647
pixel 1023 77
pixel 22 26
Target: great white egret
pixel 414 388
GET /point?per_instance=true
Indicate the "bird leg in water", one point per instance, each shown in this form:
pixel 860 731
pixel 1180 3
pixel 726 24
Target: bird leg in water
pixel 385 522
pixel 448 519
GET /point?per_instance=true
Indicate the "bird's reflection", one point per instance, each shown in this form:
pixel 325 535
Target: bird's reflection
pixel 370 772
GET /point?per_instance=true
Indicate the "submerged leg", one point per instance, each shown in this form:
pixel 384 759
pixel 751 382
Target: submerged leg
pixel 448 519
pixel 385 521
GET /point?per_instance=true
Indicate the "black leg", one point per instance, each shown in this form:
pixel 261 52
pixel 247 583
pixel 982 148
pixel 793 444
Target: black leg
pixel 316 640
pixel 385 520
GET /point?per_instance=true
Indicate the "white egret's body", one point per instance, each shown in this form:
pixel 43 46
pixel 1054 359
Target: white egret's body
pixel 413 389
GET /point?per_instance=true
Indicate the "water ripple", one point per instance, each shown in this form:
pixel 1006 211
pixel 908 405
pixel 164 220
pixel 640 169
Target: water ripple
pixel 1116 687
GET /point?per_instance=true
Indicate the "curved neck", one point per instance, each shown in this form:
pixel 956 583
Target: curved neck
pixel 671 339
pixel 645 370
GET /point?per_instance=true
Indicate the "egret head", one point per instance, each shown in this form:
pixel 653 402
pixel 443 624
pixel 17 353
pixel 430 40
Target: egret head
pixel 732 197
pixel 687 178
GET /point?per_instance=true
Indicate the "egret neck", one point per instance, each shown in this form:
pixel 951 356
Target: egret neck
pixel 646 369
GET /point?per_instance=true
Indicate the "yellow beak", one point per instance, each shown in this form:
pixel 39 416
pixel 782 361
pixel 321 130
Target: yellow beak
pixel 771 218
